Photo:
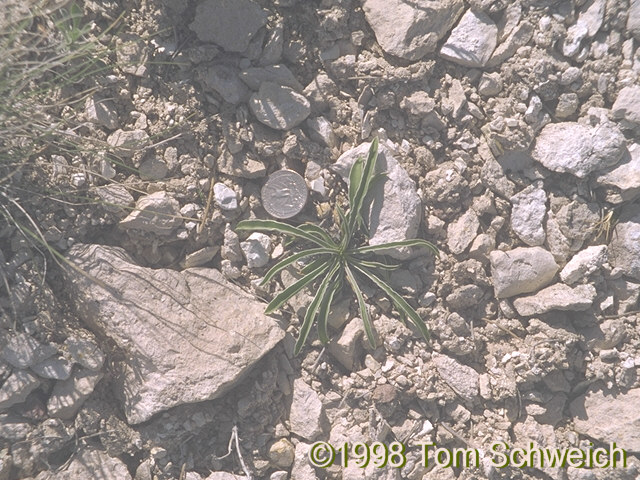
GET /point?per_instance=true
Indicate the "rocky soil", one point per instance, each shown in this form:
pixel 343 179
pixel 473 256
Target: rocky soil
pixel 511 137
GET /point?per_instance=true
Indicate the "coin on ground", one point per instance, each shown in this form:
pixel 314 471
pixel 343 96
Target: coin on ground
pixel 285 194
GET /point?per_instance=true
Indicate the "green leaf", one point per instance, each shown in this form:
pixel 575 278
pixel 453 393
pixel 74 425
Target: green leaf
pixel 313 308
pixel 363 187
pixel 414 242
pixel 280 227
pixel 282 264
pixel 291 290
pixel 371 264
pixel 316 230
pixel 364 313
pixel 400 303
pixel 325 307
pixel 355 178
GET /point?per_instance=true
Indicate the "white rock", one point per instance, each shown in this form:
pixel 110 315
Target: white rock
pixel 414 28
pixel 395 210
pixel 627 106
pixel 592 15
pixel 184 343
pixel 85 352
pixel 22 350
pixel 347 347
pixel 256 249
pixel 17 387
pixel 225 197
pixel 633 18
pixel 575 34
pixel 128 142
pixel 462 379
pixel 556 297
pixel 578 149
pixel 527 214
pixel 279 107
pixel 490 84
pixel 472 41
pixel 625 177
pixel 584 263
pixel 228 23
pixel 521 270
pixel 302 468
pixel 321 131
pixel 69 395
pixel 624 249
pixel 158 213
pixel 306 417
pixel 461 232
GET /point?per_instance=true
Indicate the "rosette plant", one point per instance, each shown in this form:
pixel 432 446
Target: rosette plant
pixel 332 263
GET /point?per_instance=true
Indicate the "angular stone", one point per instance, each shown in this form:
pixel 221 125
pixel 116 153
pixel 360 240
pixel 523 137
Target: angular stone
pixel 158 213
pixel 84 352
pixel 347 348
pixel 241 165
pixel 17 387
pixel 472 41
pixel 307 417
pixel 633 18
pixel 114 197
pixel 69 395
pixel 101 112
pixel 395 209
pixel 529 207
pixel 22 350
pixel 225 80
pixel 462 231
pixel 128 142
pixel 609 417
pixel 584 263
pixel 507 48
pixel 282 453
pixel 625 177
pixel 200 257
pixel 624 249
pixel 55 367
pixel 228 23
pixel 556 297
pixel 93 464
pixel 462 379
pixel 184 342
pixel 414 28
pixel 521 270
pixel 153 169
pixel 256 249
pixel 579 149
pixel 279 74
pixel 225 198
pixel 627 106
pixel 279 107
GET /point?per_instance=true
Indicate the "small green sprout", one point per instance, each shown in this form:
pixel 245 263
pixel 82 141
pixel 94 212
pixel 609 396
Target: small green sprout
pixel 334 263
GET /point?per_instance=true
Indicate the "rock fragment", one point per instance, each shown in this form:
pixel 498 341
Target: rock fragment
pixel 527 214
pixel 101 112
pixel 279 107
pixel 225 197
pixel 17 387
pixel 69 395
pixel 556 297
pixel 633 18
pixel 521 270
pixel 128 142
pixel 307 417
pixel 584 263
pixel 472 41
pixel 184 342
pixel 22 350
pixel 55 367
pixel 461 232
pixel 461 378
pixel 158 213
pixel 91 463
pixel 624 178
pixel 242 164
pixel 626 108
pixel 225 81
pixel 578 149
pixel 279 74
pixel 230 24
pixel 414 28
pixel 114 197
pixel 256 249
pixel 625 243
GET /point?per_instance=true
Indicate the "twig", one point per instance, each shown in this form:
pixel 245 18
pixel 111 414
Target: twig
pixel 234 439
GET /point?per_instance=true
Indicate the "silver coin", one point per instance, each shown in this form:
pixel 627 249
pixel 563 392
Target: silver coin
pixel 285 194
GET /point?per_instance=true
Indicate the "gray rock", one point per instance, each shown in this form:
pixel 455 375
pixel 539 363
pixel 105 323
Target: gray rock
pixel 567 105
pixel 414 28
pixel 518 38
pixel 180 329
pixel 396 207
pixel 306 417
pixel 128 142
pixel 464 297
pixel 624 249
pixel 17 387
pixel 242 164
pixel 90 463
pixel 584 263
pixel 490 84
pixel 626 108
pixel 462 379
pixel 320 92
pixel 158 213
pixel 282 453
pixel 279 107
pixel 633 18
pixel 114 197
pixel 85 352
pixel 573 39
pixel 225 197
pixel 200 257
pixel 101 112
pixel 231 248
pixel 278 74
pixel 321 131
pixel 55 367
pixel 69 395
pixel 609 417
pixel 521 270
pixel 556 297
pixel 625 177
pixel 228 23
pixel 472 41
pixel 592 15
pixel 224 79
pixel 256 249
pixel 529 207
pixel 224 476
pixel 13 428
pixel 153 169
pixel 302 468
pixel 22 350
pixel 577 221
pixel 347 347
pixel 462 231
pixel 578 149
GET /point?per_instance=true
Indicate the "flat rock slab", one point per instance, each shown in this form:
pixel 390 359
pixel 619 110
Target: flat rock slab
pixel 279 107
pixel 411 29
pixel 189 336
pixel 556 297
pixel 578 149
pixel 624 178
pixel 609 417
pixel 395 210
pixel 472 41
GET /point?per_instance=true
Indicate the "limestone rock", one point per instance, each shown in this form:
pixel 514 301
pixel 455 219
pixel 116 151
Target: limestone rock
pixel 307 417
pixel 225 197
pixel 128 142
pixel 225 81
pixel 527 214
pixel 556 297
pixel 627 106
pixel 395 210
pixel 279 74
pixel 256 249
pixel 624 178
pixel 279 107
pixel 472 41
pixel 101 112
pixel 414 28
pixel 69 395
pixel 91 463
pixel 158 213
pixel 181 330
pixel 521 270
pixel 22 350
pixel 461 233
pixel 461 378
pixel 633 18
pixel 228 23
pixel 584 263
pixel 17 387
pixel 625 243
pixel 578 149
pixel 609 417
